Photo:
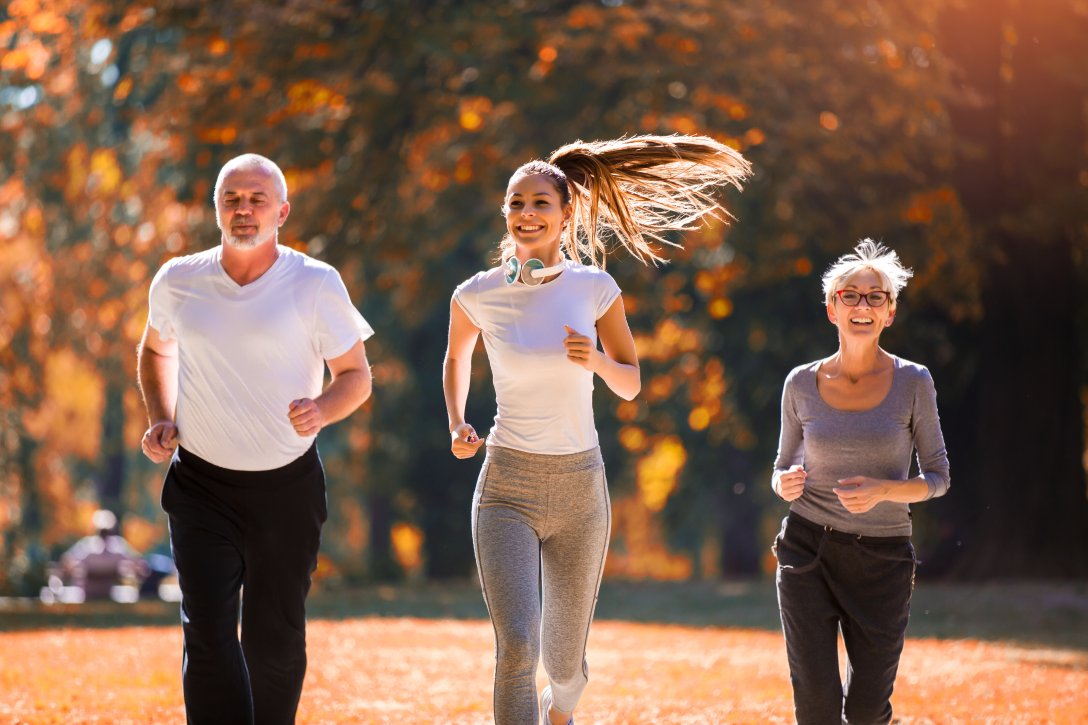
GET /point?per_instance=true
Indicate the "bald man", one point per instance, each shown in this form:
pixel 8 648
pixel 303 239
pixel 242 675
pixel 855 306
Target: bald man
pixel 231 367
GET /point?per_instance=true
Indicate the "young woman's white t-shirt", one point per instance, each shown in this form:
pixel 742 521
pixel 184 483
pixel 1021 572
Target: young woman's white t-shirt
pixel 544 401
pixel 245 352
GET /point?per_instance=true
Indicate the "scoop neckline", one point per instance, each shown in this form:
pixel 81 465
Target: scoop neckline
pixel 895 378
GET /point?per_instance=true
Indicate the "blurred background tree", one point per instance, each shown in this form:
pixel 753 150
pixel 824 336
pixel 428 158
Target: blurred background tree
pixel 950 129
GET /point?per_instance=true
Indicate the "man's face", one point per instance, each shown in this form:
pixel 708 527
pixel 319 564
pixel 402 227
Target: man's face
pixel 249 210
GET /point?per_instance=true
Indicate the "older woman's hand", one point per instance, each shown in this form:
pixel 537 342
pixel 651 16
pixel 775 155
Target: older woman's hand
pixel 859 494
pixel 790 484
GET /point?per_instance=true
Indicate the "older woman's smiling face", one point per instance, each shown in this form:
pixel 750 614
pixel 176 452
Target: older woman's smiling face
pixel 864 319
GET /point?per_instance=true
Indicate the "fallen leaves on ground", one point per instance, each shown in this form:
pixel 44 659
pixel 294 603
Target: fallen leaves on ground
pixel 408 671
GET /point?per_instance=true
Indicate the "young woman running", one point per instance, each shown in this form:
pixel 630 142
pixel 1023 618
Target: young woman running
pixel 540 514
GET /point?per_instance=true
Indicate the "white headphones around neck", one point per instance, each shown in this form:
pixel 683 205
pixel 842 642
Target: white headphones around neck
pixel 531 273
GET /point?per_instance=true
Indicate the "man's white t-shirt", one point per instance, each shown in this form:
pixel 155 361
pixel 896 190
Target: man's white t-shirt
pixel 245 352
pixel 544 401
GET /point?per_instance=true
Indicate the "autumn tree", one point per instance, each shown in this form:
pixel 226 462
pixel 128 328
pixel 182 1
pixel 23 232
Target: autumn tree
pixel 1020 491
pixel 92 220
pixel 398 124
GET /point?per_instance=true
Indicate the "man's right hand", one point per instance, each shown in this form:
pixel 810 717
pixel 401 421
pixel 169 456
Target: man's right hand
pixel 160 440
pixel 465 441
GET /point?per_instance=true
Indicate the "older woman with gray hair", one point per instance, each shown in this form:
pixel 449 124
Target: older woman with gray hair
pixel 850 423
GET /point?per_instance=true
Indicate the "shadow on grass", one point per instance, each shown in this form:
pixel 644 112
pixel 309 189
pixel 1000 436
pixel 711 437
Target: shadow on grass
pixel 1051 614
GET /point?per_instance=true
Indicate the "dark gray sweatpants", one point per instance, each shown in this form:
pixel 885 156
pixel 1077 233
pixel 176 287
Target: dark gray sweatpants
pixel 540 526
pixel 831 581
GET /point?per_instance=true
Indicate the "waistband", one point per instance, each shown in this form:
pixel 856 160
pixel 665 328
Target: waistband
pixel 546 462
pixel 288 473
pixel 837 535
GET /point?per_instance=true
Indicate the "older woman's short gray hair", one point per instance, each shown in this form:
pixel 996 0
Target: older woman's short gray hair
pixel 868 255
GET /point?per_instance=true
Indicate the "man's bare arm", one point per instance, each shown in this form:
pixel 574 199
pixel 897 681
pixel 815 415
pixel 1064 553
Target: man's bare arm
pixel 349 388
pixel 157 376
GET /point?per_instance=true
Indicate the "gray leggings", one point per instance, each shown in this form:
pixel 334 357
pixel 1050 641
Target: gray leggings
pixel 540 526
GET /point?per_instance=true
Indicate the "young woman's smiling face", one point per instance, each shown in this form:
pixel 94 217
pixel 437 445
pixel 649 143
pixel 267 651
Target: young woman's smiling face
pixel 535 216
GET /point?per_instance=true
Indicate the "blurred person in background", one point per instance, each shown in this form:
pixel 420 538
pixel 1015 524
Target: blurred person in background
pixel 103 565
pixel 231 368
pixel 850 423
pixel 540 515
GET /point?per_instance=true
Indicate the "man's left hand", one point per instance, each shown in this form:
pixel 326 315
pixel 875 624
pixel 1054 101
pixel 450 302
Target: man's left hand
pixel 305 417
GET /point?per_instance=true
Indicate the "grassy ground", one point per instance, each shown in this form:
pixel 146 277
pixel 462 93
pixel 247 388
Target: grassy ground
pixel 692 653
pixel 1040 613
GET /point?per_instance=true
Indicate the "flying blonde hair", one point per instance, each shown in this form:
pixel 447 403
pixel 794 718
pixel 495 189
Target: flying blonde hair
pixel 634 190
pixel 868 255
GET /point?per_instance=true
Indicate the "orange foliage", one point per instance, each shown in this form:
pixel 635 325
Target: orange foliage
pixel 829 121
pixel 357 530
pixel 924 206
pixel 218 134
pixel 31 58
pixel 473 112
pixel 435 141
pixel 310 96
pixel 720 308
pixel 754 137
pixel 638 549
pixel 74 414
pixel 407 541
pixel 658 472
pixel 218 46
pixel 631 33
pixel 142 534
pixel 585 16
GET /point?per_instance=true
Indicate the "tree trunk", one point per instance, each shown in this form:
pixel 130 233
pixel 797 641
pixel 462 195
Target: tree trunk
pixel 739 515
pixel 1024 478
pixel 25 557
pixel 111 468
pixel 1031 516
pixel 382 566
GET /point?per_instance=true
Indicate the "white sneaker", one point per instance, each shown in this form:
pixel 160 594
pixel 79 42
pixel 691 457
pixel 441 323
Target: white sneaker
pixel 546 704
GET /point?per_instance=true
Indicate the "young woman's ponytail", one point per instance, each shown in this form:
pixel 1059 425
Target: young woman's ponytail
pixel 635 190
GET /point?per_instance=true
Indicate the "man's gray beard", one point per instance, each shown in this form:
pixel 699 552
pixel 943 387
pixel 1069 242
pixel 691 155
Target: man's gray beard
pixel 239 243
pixel 248 242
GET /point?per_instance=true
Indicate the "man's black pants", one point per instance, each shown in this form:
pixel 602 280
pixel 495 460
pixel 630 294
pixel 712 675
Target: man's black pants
pixel 251 535
pixel 830 581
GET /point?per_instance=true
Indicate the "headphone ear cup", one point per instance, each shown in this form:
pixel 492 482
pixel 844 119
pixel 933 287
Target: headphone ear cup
pixel 527 269
pixel 511 270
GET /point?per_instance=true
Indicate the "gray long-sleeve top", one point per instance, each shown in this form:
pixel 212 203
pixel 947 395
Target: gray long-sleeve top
pixel 834 444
